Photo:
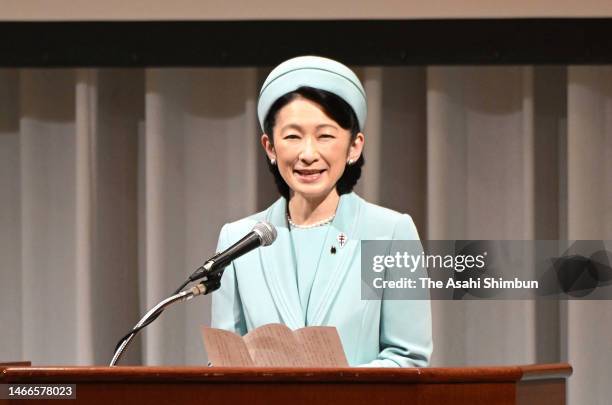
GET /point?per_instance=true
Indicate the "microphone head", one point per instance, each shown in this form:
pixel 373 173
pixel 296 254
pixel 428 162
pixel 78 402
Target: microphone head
pixel 266 232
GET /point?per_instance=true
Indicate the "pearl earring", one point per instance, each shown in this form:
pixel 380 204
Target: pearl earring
pixel 273 162
pixel 349 162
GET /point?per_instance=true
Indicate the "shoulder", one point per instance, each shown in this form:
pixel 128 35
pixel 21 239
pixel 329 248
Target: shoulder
pixel 377 222
pixel 380 213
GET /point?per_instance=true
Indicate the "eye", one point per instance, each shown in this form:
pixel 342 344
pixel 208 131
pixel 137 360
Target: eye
pixel 291 136
pixel 327 136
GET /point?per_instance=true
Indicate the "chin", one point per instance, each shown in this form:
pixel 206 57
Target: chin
pixel 313 194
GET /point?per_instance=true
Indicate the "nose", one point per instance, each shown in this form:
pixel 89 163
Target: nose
pixel 309 152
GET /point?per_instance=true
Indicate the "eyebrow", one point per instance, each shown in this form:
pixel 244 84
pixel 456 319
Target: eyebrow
pixel 299 128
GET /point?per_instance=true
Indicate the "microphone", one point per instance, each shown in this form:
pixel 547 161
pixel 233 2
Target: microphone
pixel 263 234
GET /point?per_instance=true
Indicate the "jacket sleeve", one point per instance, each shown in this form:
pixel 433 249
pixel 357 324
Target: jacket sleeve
pixel 227 310
pixel 405 325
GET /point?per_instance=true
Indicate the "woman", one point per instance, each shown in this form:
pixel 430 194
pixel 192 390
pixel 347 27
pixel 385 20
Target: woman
pixel 312 111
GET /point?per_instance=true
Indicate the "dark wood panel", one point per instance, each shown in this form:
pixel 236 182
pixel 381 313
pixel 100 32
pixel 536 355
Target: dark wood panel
pixel 295 394
pixel 541 392
pixel 507 385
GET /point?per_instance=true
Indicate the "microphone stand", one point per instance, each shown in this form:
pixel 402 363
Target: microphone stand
pixel 209 285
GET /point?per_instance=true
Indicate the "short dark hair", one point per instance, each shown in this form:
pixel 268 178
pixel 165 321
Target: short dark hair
pixel 335 108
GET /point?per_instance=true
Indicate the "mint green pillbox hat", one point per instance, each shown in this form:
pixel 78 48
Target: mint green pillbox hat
pixel 313 71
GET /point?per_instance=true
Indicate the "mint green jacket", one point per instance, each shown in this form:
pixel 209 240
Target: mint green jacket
pixel 260 287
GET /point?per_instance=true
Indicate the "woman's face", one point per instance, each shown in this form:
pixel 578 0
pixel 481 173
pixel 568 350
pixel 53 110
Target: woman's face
pixel 311 149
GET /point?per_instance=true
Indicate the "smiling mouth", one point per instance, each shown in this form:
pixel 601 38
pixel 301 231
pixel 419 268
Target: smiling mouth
pixel 306 172
pixel 308 175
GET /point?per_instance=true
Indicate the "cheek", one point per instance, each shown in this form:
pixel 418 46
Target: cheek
pixel 337 154
pixel 285 153
pixel 285 160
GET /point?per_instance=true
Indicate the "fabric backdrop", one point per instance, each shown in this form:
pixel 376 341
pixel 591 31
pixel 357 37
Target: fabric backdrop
pixel 114 184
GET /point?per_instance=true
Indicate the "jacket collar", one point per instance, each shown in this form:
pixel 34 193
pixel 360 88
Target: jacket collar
pixel 279 264
pixel 333 268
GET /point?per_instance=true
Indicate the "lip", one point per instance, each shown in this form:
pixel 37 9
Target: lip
pixel 308 175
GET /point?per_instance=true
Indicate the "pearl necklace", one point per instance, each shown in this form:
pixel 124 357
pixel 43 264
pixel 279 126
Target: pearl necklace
pixel 319 223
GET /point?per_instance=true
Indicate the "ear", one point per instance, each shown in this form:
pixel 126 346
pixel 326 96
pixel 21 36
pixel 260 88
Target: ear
pixel 356 147
pixel 266 142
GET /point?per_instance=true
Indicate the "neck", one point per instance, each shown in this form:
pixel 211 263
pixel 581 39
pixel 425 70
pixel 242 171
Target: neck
pixel 306 211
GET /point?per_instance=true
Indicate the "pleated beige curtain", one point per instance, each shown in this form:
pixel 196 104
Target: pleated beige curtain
pixel 114 184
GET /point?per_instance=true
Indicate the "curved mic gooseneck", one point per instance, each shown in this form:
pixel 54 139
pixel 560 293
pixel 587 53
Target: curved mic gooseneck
pixel 263 234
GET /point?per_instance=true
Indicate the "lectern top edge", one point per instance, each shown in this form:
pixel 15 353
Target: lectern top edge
pixel 261 374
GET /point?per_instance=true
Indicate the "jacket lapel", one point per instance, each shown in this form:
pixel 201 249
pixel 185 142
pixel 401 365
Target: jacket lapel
pixel 278 266
pixel 333 268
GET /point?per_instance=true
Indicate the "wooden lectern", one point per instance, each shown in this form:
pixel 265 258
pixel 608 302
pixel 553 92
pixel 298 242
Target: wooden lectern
pixel 524 385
